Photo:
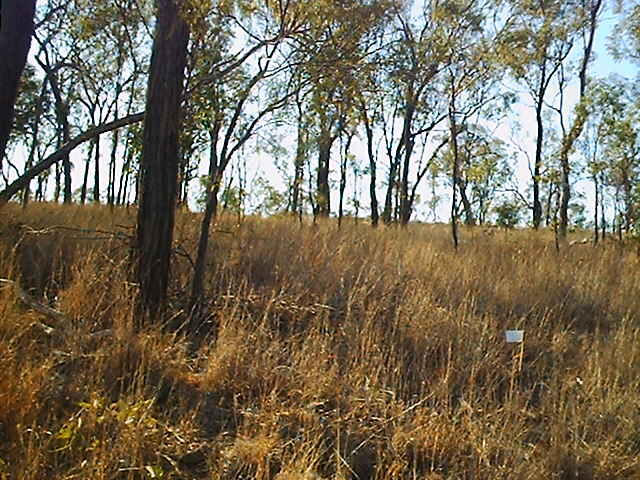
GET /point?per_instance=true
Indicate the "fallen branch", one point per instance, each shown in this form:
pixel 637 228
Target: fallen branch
pixel 59 319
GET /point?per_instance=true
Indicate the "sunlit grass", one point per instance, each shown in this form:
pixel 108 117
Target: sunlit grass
pixel 326 353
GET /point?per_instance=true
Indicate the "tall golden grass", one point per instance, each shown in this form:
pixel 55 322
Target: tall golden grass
pixel 346 353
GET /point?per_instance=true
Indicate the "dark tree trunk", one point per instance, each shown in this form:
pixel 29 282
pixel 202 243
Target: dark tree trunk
pixel 210 212
pixel 298 175
pixel 111 192
pixel 469 218
pixel 372 169
pixel 323 200
pixel 64 132
pixel 343 177
pixel 159 164
pixel 456 166
pixel 16 30
pixel 407 142
pixel 565 195
pixel 85 177
pixel 537 166
pixel 387 212
pixel 96 172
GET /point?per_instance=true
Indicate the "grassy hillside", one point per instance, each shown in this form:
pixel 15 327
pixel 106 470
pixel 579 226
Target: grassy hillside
pixel 346 354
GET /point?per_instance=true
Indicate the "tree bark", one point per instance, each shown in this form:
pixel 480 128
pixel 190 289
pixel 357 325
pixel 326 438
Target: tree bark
pixel 159 163
pixel 16 30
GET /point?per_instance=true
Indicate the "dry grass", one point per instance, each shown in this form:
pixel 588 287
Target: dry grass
pixel 346 354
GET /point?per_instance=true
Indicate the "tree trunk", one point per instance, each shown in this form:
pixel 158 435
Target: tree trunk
pixel 210 212
pixel 456 166
pixel 323 200
pixel 298 175
pixel 596 231
pixel 387 212
pixel 111 192
pixel 407 142
pixel 579 121
pixel 537 166
pixel 96 172
pixel 85 177
pixel 469 218
pixel 372 170
pixel 343 177
pixel 16 30
pixel 159 163
pixel 565 195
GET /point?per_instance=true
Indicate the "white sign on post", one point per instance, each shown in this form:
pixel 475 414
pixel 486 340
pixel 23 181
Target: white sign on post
pixel 514 336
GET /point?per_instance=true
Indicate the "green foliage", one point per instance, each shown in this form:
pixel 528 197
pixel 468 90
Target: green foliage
pixel 271 201
pixel 508 213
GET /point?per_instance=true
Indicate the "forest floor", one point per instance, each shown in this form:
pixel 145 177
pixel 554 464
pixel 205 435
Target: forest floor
pixel 327 353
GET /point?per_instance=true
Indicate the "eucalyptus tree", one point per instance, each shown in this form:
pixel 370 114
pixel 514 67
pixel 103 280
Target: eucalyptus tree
pixel 53 57
pixel 468 39
pixel 540 40
pixel 77 56
pixel 615 108
pixel 112 50
pixel 235 92
pixel 30 107
pixel 606 105
pixel 414 62
pixel 334 54
pixel 588 13
pixel 626 39
pixel 159 163
pixel 484 171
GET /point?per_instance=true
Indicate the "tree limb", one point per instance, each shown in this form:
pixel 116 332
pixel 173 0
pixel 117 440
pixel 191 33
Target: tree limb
pixel 55 157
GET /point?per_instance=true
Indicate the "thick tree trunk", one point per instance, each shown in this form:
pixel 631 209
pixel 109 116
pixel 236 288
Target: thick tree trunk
pixel 16 30
pixel 159 165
